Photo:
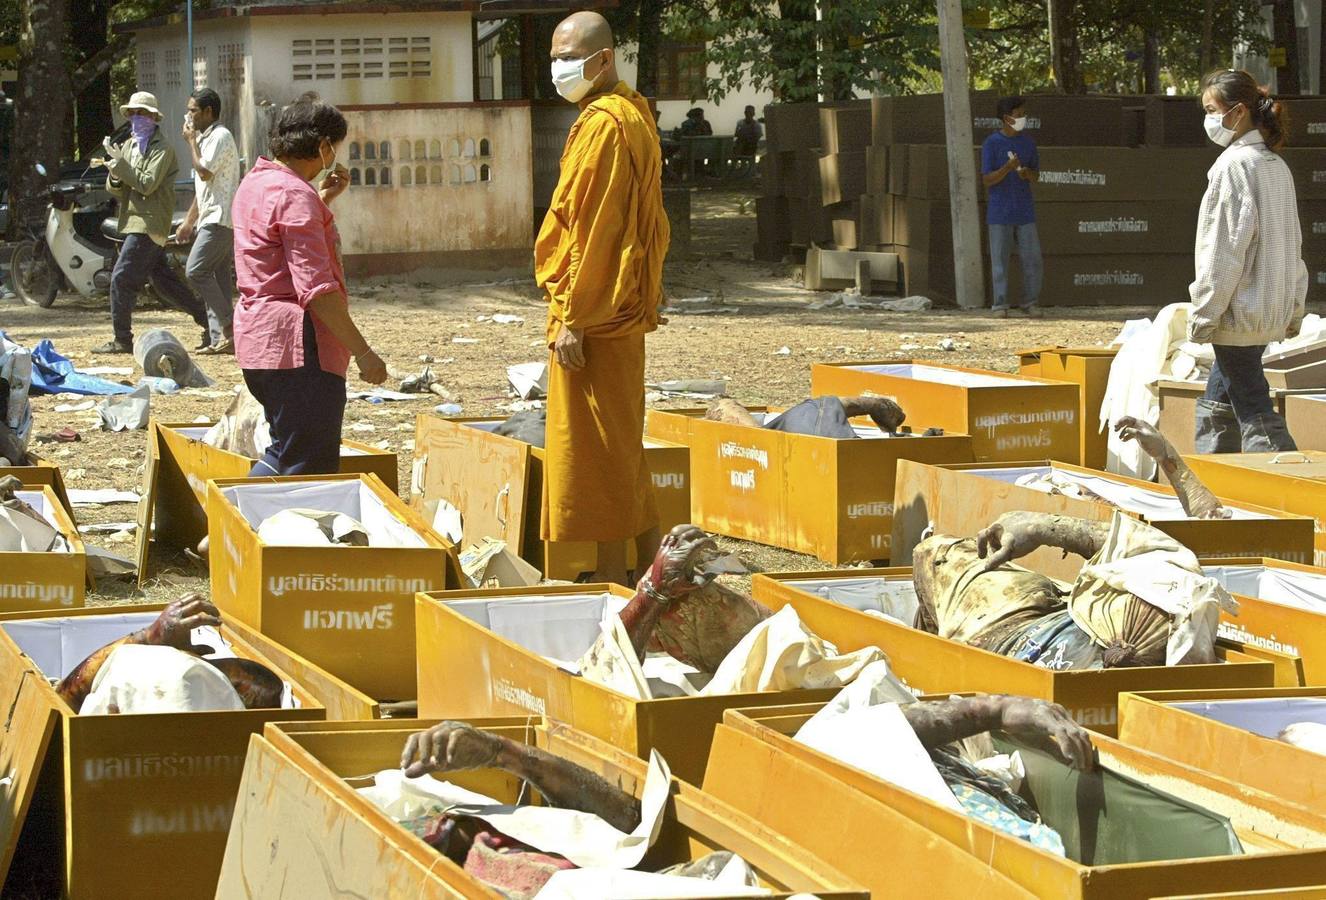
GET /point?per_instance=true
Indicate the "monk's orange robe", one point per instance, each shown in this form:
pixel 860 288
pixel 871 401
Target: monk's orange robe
pixel 599 259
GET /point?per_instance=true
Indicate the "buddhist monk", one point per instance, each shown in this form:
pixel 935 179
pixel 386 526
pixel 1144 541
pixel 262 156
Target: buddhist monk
pixel 599 259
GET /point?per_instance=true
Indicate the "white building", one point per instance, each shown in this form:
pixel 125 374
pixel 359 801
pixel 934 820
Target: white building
pixel 439 178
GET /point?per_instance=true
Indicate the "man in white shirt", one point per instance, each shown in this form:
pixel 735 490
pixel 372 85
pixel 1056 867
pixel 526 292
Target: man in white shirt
pixel 208 223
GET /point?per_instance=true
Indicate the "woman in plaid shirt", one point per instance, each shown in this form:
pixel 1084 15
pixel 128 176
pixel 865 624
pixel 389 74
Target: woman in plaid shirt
pixel 1251 283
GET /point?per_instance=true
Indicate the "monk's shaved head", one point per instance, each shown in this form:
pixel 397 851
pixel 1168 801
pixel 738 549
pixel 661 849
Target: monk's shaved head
pixel 583 33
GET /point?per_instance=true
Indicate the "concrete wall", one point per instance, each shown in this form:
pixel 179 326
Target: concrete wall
pixel 454 209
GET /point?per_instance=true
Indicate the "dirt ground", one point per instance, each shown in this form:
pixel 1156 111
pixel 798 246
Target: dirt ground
pixel 758 309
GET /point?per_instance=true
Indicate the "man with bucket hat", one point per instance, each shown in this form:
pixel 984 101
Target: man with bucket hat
pixel 142 174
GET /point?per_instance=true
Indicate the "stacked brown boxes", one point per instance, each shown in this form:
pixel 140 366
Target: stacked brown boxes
pixel 813 174
pixel 1305 138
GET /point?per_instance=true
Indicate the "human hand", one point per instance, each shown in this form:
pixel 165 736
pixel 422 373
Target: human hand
pixel 1049 726
pixel 1293 330
pixel 672 575
pixel 449 747
pixel 1151 441
pixel 1013 162
pixel 177 621
pixel 188 131
pixel 334 183
pixel 184 234
pixel 113 151
pixel 1024 174
pixel 1012 536
pixel 569 348
pixel 371 368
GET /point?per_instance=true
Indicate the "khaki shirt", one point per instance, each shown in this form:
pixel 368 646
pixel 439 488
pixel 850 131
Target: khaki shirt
pixel 144 183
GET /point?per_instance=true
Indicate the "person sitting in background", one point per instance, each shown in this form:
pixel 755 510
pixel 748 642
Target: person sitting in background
pixel 695 124
pixel 748 134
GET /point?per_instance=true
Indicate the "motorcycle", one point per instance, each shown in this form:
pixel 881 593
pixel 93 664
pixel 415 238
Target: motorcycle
pixel 73 246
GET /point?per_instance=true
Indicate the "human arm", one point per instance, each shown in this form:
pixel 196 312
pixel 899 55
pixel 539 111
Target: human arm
pixel 333 311
pixel 883 411
pixel 148 174
pixel 1047 725
pixel 184 233
pixel 1226 229
pixel 200 165
pixel 1030 169
pixel 334 183
pixel 992 171
pixel 171 629
pixel 1196 498
pixel 456 746
pixel 1016 534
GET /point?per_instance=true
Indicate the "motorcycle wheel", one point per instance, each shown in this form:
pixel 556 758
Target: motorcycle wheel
pixel 33 276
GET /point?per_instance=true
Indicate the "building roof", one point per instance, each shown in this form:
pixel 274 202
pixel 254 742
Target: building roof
pixel 482 9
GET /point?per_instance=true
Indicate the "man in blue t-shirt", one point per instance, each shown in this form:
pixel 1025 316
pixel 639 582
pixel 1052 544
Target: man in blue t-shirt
pixel 1009 165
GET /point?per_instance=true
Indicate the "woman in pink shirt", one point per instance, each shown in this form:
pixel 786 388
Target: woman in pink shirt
pixel 293 333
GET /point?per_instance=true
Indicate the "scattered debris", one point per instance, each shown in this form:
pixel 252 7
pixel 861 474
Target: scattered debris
pixel 529 381
pixel 691 388
pixel 783 351
pixel 76 407
pixel 948 344
pixel 381 395
pixel 104 564
pixel 363 427
pixel 102 497
pixel 424 382
pixel 507 319
pixel 448 409
pixel 119 462
pixel 464 340
pixel 907 348
pixel 108 527
pixel 120 371
pixel 523 405
pixel 127 412
pixel 63 436
pixel 850 299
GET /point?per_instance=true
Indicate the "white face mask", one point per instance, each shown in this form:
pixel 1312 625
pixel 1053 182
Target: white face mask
pixel 1216 130
pixel 326 167
pixel 1019 123
pixel 568 76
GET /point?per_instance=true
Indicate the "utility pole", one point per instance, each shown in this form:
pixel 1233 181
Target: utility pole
pixel 188 30
pixel 969 274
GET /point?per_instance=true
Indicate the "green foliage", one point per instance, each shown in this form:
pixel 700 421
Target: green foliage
pixel 854 45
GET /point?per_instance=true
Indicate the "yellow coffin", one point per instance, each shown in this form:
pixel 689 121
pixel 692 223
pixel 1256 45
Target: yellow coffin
pixel 349 610
pixel 51 580
pixel 303 833
pixel 1009 417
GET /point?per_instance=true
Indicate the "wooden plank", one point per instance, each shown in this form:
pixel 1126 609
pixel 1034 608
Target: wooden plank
pixel 28 725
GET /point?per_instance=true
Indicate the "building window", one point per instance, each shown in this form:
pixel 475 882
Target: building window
pixel 354 178
pixel 372 70
pixel 230 63
pixel 324 71
pixel 302 71
pixel 405 150
pixel 349 70
pixel 420 175
pixel 147 70
pixel 385 179
pixel 436 174
pixel 370 150
pixel 199 67
pixel 435 149
pixel 407 177
pixel 370 177
pixel 172 68
pixel 485 173
pixel 384 150
pixel 354 151
pixel 485 148
pixel 681 71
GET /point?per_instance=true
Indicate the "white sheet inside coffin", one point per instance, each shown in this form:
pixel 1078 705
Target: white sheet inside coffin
pixel 943 376
pixel 862 431
pixel 37 500
pixel 57 645
pixel 259 501
pixel 1154 505
pixel 559 627
pixel 197 433
pixel 1266 716
pixel 1287 587
pixel 895 598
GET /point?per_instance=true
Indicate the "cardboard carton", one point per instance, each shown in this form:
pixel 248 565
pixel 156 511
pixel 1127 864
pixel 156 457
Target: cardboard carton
pixel 51 580
pixel 1174 122
pixel 1297 369
pixel 830 498
pixel 842 176
pixel 496 653
pixel 294 776
pixel 116 805
pixel 1008 416
pixel 1307 121
pixel 828 270
pixel 1305 414
pixel 877 170
pixel 497 484
pixel 759 768
pixel 791 126
pixel 875 220
pixel 1089 369
pixel 1312 219
pixel 845 128
pixel 833 604
pixel 1232 733
pixel 1309 171
pixel 177 497
pixel 1104 280
pixel 1178 410
pixel 349 610
pixel 963 499
pixel 1292 482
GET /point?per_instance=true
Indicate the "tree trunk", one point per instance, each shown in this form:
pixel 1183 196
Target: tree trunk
pixel 798 54
pixel 1065 54
pixel 1286 37
pixel 649 39
pixel 94 101
pixel 1151 62
pixel 1207 53
pixel 42 107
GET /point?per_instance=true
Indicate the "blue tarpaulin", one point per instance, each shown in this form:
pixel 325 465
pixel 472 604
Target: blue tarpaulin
pixel 54 374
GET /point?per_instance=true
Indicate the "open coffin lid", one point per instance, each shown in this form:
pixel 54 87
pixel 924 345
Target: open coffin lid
pixel 1264 716
pixel 352 497
pixel 1286 587
pixel 29 723
pixel 485 479
pixel 559 627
